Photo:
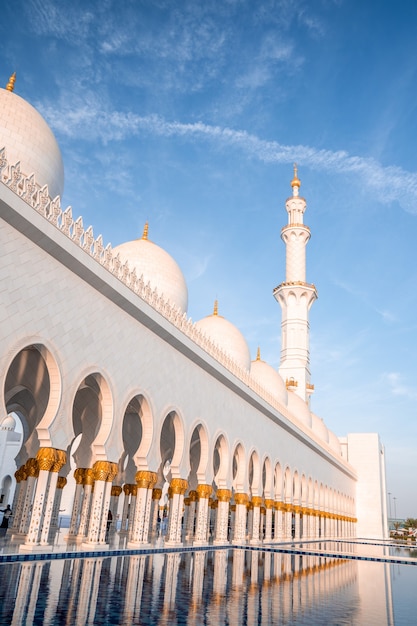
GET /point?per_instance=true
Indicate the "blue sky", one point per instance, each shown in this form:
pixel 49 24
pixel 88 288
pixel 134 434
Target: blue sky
pixel 190 114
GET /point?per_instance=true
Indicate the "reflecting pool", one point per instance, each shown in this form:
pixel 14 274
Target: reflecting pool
pixel 208 587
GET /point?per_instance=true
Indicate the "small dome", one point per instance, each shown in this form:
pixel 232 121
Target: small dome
pixel 269 379
pixel 9 423
pixel 334 443
pixel 319 427
pixel 157 267
pixel 28 139
pixel 299 408
pixel 227 337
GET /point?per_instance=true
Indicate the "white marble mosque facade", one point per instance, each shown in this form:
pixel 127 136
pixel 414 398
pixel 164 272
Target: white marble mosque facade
pixel 129 406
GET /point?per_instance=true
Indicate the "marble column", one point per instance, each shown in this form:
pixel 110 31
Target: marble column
pixel 61 483
pixel 125 511
pixel 103 474
pixel 287 522
pixel 269 504
pixel 50 462
pixel 77 503
pixel 190 523
pixel 203 513
pixel 156 496
pixel 222 519
pixel 239 534
pixel 177 489
pixel 132 510
pixel 297 523
pixel 145 481
pixel 32 472
pixel 254 538
pixel 88 482
pixel 278 522
pixel 18 499
pixel 116 490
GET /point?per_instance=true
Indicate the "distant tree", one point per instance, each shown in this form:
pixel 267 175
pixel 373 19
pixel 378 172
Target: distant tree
pixel 410 522
pixel 397 525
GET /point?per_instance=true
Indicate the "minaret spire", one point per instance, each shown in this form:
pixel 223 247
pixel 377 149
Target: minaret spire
pixel 296 296
pixel 12 80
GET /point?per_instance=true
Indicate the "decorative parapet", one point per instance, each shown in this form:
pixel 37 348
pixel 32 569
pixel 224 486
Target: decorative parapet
pixel 37 196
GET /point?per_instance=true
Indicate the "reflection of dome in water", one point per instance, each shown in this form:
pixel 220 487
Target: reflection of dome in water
pixel 9 423
pixel 157 267
pixel 28 139
pixel 299 408
pixel 226 336
pixel 269 379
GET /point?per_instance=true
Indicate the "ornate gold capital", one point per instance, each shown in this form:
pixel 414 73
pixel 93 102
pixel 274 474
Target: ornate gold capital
pixel 241 498
pixel 60 461
pixel 61 482
pixel 269 504
pixel 101 470
pixel 146 479
pixel 178 486
pixel 223 495
pixel 134 490
pixel 256 501
pixel 88 477
pixel 46 457
pixel 32 468
pixel 116 491
pixel 126 489
pixel 156 493
pixel 193 495
pixel 204 491
pixel 79 475
pixel 263 510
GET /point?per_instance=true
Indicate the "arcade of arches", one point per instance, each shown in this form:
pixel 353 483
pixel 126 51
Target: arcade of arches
pixel 226 493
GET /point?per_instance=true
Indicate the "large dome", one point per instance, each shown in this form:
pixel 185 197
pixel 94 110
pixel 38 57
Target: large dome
pixel 157 267
pixel 269 379
pixel 28 139
pixel 227 337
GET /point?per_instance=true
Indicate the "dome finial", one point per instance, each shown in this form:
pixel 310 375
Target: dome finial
pixel 12 80
pixel 295 183
pixel 145 231
pixel 258 354
pixel 216 308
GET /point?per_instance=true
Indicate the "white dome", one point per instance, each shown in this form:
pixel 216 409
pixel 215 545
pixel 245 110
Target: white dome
pixel 28 139
pixel 299 408
pixel 227 337
pixel 9 423
pixel 319 427
pixel 157 267
pixel 334 443
pixel 269 379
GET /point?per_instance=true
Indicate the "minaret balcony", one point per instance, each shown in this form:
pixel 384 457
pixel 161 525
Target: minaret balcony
pixel 309 388
pixel 291 383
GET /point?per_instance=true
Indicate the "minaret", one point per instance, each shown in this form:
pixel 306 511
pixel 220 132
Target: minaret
pixel 295 296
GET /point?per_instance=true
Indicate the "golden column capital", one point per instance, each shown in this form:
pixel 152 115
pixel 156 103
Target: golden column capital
pixel 113 471
pixel 116 491
pixel 146 479
pixel 32 468
pixel 256 501
pixel 241 498
pixel 187 501
pixel 204 491
pixel 101 470
pixel 134 490
pixel 269 504
pixel 223 495
pixel 193 495
pixel 88 476
pixel 263 510
pixel 214 504
pixel 126 489
pixel 61 482
pixel 60 461
pixel 178 486
pixel 79 475
pixel 156 493
pixel 46 457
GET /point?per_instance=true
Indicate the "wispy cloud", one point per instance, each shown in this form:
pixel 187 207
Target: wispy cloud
pixel 92 122
pixel 398 387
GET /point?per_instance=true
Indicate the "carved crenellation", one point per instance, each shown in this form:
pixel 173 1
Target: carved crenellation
pixel 38 198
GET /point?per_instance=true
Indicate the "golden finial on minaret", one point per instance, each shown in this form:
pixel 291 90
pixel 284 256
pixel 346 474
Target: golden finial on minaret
pixel 258 354
pixel 145 231
pixel 12 80
pixel 296 182
pixel 216 308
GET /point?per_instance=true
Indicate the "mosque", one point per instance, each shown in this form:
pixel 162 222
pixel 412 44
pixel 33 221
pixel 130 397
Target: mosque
pixel 112 399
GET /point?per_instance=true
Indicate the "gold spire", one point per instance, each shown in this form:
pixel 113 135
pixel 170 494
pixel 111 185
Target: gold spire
pixel 12 80
pixel 296 182
pixel 145 231
pixel 216 308
pixel 258 354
